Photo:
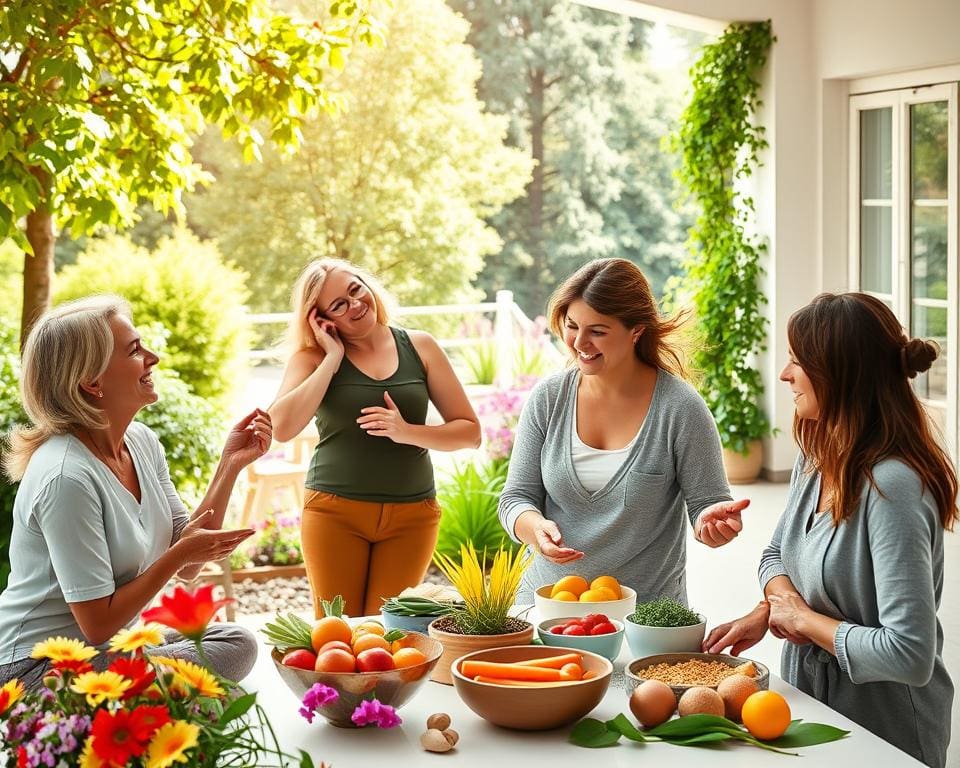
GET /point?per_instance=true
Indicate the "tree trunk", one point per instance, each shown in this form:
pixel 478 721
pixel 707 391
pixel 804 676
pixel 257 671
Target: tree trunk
pixel 535 193
pixel 37 270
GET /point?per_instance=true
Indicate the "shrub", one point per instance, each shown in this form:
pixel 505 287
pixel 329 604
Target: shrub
pixel 469 495
pixel 183 284
pixel 277 543
pixel 11 413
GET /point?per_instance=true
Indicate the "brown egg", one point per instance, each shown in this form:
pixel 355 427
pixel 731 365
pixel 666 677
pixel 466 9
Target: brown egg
pixel 652 703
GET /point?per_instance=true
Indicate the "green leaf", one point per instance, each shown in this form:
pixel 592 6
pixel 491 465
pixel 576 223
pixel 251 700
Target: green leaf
pixel 238 707
pixel 593 733
pixel 394 634
pixel 710 737
pixel 622 725
pixel 801 734
pixel 692 725
pixel 305 760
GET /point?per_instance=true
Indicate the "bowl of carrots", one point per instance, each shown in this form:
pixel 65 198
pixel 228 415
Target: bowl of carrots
pixel 531 687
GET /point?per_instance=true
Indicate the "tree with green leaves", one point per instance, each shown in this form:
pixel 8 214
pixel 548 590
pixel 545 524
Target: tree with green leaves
pixel 99 101
pixel 400 184
pixel 582 104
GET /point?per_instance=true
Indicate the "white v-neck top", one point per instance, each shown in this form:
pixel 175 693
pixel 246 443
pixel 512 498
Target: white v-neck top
pixel 79 534
pixel 595 466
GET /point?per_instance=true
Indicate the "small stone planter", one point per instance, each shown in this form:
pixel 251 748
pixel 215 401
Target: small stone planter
pixel 456 645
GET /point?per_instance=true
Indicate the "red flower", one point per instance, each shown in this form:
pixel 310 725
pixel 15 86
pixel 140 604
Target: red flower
pixel 22 757
pixel 146 721
pixel 76 666
pixel 188 613
pixel 137 671
pixel 114 741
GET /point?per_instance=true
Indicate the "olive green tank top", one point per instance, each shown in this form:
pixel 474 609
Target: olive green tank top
pixel 350 463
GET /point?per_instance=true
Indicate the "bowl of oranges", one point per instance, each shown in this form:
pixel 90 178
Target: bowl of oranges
pixel 360 661
pixel 574 596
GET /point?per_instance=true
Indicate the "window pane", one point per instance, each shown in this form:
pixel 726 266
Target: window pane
pixel 876 243
pixel 929 252
pixel 931 323
pixel 876 168
pixel 928 151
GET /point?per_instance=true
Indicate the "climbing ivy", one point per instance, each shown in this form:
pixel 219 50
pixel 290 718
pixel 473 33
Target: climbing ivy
pixel 719 143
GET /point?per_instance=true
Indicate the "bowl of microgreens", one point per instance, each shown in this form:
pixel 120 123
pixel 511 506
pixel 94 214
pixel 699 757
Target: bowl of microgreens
pixel 663 626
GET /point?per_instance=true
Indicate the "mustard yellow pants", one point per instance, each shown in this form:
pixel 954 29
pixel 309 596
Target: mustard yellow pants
pixel 364 550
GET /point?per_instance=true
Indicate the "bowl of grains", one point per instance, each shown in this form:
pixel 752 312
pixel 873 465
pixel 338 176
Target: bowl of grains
pixel 685 670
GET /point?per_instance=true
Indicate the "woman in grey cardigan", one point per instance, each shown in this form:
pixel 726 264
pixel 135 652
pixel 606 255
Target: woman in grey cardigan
pixel 854 573
pixel 612 455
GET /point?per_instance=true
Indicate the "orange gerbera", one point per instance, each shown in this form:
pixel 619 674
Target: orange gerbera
pixel 9 694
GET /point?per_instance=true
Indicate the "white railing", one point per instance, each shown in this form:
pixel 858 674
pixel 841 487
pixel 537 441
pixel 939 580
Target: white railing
pixel 508 320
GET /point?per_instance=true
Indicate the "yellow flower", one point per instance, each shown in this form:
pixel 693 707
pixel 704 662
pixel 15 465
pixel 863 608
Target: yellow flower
pixel 89 758
pixel 63 649
pixel 133 639
pixel 196 677
pixel 170 742
pixel 9 694
pixel 100 686
pixel 165 660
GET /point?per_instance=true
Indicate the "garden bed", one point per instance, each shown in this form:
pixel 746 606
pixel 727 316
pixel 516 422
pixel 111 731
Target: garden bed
pixel 262 573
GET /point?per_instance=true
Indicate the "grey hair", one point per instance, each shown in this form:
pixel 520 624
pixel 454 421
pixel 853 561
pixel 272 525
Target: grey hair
pixel 68 346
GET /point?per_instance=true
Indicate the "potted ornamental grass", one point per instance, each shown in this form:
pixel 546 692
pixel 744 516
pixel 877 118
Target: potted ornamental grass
pixel 483 620
pixel 664 626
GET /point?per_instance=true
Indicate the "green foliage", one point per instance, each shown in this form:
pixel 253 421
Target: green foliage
pixel 11 280
pixel 468 496
pixel 277 543
pixel 664 612
pixel 719 144
pixel 400 183
pixel 11 414
pixel 184 285
pixel 100 100
pixel 480 360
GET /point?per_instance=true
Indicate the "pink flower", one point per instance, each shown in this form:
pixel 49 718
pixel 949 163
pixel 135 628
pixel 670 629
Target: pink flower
pixel 372 712
pixel 318 696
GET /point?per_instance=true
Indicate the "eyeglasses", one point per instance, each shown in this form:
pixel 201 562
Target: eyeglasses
pixel 356 292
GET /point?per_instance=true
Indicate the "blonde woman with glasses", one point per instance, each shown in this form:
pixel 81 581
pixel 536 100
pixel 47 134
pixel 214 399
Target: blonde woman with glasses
pixel 98 528
pixel 370 516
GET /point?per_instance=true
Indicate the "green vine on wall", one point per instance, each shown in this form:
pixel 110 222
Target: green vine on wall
pixel 719 143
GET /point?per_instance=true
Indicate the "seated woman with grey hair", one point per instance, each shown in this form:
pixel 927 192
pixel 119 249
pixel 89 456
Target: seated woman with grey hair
pixel 98 528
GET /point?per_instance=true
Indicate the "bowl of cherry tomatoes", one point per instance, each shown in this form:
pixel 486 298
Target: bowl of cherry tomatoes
pixel 595 632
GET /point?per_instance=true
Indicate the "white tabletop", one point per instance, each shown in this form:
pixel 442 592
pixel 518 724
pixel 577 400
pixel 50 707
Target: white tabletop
pixel 483 745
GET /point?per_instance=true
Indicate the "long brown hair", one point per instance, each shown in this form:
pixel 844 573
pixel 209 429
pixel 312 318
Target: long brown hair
pixel 859 361
pixel 617 287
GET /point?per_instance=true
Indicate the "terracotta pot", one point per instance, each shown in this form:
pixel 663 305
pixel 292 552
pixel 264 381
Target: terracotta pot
pixel 743 469
pixel 455 646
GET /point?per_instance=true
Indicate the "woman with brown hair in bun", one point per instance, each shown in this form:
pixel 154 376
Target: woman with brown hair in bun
pixel 853 576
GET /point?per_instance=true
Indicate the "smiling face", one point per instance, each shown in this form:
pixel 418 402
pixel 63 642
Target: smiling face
pixel 347 302
pixel 598 342
pixel 804 397
pixel 127 383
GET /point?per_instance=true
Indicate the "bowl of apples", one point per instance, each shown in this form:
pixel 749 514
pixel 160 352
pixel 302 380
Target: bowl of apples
pixel 360 661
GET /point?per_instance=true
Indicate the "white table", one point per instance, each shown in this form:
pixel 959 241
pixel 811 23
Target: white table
pixel 487 746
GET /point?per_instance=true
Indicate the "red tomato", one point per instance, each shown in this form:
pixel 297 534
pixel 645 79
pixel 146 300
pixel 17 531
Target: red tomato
pixel 592 619
pixel 557 630
pixel 574 629
pixel 603 628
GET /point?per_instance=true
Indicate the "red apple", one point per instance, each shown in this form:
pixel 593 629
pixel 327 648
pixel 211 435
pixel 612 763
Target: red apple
pixel 300 658
pixel 375 660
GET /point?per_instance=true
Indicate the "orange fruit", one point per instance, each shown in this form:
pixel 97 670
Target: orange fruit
pixel 367 641
pixel 597 595
pixel 404 642
pixel 567 597
pixel 330 628
pixel 336 660
pixel 408 657
pixel 766 715
pixel 575 584
pixel 373 627
pixel 608 582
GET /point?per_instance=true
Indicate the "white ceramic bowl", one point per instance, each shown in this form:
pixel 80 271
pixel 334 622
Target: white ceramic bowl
pixel 547 608
pixel 649 641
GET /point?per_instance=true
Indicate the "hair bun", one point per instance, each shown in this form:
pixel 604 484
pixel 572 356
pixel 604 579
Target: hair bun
pixel 917 355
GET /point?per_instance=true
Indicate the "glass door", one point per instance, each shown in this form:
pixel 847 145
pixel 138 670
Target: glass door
pixel 904 225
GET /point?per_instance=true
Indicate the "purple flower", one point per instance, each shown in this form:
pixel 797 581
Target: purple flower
pixel 372 712
pixel 318 696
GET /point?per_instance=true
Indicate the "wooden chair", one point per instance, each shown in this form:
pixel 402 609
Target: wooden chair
pixel 264 479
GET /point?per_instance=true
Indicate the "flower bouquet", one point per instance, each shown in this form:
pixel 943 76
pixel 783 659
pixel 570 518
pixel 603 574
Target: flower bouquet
pixel 137 709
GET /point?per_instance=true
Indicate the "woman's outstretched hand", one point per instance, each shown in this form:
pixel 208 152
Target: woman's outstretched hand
pixel 249 439
pixel 720 523
pixel 550 543
pixel 739 634
pixel 198 544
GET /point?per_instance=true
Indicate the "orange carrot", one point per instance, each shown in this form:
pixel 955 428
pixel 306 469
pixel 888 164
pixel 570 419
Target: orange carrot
pixel 519 683
pixel 588 675
pixel 470 668
pixel 571 672
pixel 552 662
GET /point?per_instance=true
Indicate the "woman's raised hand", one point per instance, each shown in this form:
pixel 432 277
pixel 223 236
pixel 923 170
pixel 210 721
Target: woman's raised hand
pixel 720 523
pixel 328 339
pixel 249 439
pixel 198 544
pixel 550 543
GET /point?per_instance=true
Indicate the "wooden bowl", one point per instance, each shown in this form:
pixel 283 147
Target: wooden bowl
pixel 532 709
pixel 634 670
pixel 394 687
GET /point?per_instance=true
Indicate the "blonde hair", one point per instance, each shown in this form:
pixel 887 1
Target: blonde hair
pixel 70 345
pixel 306 293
